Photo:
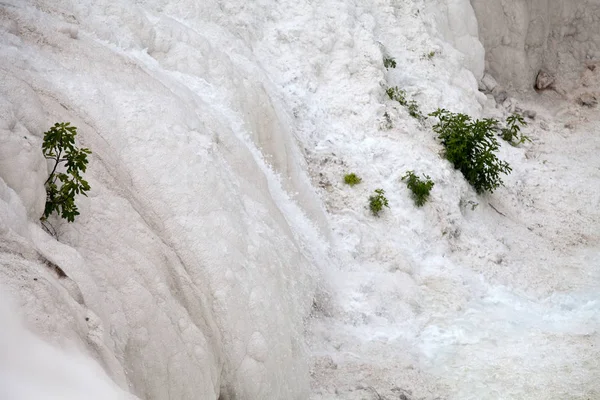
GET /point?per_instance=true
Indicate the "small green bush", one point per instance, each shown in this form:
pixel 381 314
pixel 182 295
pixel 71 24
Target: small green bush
pixel 512 133
pixel 419 188
pixel 414 111
pixel 377 201
pixel 352 179
pixel 470 145
pixel 399 95
pixel 389 62
pixel 59 145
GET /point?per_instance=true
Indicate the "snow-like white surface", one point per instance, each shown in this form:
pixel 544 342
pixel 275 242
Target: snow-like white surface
pixel 218 219
pixel 523 36
pixel 189 261
pixel 31 369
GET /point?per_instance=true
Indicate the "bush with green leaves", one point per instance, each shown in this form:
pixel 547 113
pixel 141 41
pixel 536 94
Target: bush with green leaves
pixel 377 201
pixel 352 179
pixel 399 95
pixel 420 188
pixel 414 111
pixel 389 62
pixel 61 187
pixel 396 94
pixel 512 132
pixel 470 145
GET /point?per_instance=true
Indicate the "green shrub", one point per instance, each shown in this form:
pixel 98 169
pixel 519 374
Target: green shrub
pixel 59 146
pixel 512 133
pixel 389 62
pixel 396 94
pixel 352 179
pixel 470 145
pixel 419 188
pixel 377 201
pixel 399 95
pixel 414 111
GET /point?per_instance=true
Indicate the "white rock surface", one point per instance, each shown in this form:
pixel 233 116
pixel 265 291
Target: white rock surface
pixel 203 246
pixel 523 36
pixel 187 272
pixel 457 23
pixel 30 369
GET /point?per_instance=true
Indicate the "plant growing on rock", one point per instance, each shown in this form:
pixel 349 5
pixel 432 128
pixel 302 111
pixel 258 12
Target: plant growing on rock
pixel 470 145
pixel 420 188
pixel 512 132
pixel 377 201
pixel 387 123
pixel 428 56
pixel 389 62
pixel 399 95
pixel 352 179
pixel 414 111
pixel 61 187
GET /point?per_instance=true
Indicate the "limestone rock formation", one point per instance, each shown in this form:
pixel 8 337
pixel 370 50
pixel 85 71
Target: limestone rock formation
pixel 544 80
pixel 587 99
pixel 523 36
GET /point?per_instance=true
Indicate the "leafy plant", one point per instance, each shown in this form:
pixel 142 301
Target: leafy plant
pixel 61 187
pixel 473 204
pixel 430 55
pixel 387 123
pixel 419 188
pixel 377 201
pixel 352 179
pixel 414 111
pixel 389 62
pixel 396 94
pixel 512 132
pixel 399 95
pixel 470 145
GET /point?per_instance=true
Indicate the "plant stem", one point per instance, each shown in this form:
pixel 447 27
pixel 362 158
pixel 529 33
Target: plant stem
pixel 58 160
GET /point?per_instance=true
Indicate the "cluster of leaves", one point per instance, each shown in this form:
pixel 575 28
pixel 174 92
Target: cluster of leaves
pixel 512 132
pixel 399 95
pixel 352 179
pixel 470 145
pixel 419 188
pixel 429 55
pixel 377 201
pixel 387 123
pixel 389 62
pixel 61 187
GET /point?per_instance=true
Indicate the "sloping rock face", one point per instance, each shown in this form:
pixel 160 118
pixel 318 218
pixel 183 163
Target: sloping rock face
pixel 457 23
pixel 521 37
pixel 184 276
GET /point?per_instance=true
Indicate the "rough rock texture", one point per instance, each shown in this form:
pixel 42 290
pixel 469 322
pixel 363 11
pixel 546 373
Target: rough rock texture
pixel 193 265
pixel 184 275
pixel 456 21
pixel 587 99
pixel 523 36
pixel 544 80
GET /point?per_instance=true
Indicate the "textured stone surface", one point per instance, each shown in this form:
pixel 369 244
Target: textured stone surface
pixel 523 36
pixel 587 99
pixel 544 80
